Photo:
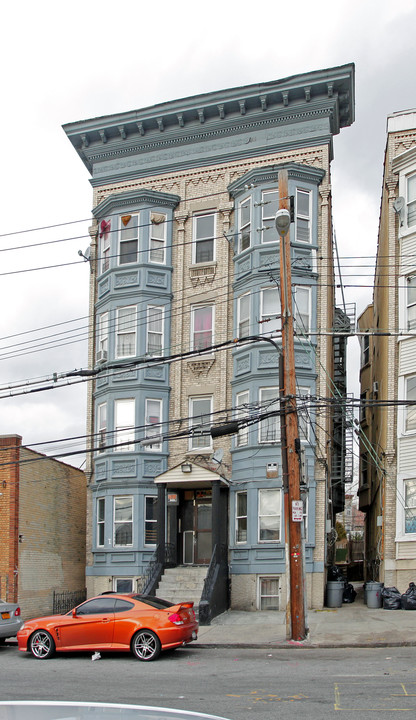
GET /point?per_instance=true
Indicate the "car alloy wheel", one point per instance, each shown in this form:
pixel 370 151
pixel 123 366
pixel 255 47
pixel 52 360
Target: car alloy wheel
pixel 42 645
pixel 146 645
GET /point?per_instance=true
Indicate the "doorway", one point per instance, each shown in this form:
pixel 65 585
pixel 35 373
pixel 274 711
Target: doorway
pixel 196 527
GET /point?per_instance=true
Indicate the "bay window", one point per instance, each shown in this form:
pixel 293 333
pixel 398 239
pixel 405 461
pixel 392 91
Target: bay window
pixel 100 522
pixel 157 244
pixel 241 402
pixel 105 243
pixel 411 302
pixel 411 200
pixel 245 225
pixel 303 216
pixel 302 308
pixel 270 206
pixel 270 311
pixel 410 422
pixel 102 337
pixel 269 427
pixel 241 517
pixel 153 412
pixel 102 426
pixel 243 315
pixel 154 334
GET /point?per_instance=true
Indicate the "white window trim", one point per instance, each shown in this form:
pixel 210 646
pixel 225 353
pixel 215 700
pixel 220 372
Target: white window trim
pixel 306 331
pixel 126 332
pixel 303 390
pixel 247 225
pixel 100 523
pixel 158 240
pixel 240 413
pixel 101 428
pixel 157 446
pixel 102 335
pixel 263 315
pixel 194 308
pixel 128 430
pixel 267 220
pixel 105 244
pixel 275 419
pixel 239 517
pixel 303 217
pixel 120 241
pixel 240 320
pixel 161 333
pixel 122 497
pixel 401 535
pixel 402 412
pixel 195 241
pixel 146 521
pixel 267 576
pixel 207 436
pixel 269 542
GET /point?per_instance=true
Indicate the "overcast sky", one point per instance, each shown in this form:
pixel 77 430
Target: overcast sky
pixel 63 62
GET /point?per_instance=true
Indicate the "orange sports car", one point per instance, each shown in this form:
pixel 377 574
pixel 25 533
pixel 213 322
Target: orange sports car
pixel 141 624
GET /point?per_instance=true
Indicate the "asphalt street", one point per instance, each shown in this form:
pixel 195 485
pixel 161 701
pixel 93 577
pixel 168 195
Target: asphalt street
pixel 239 684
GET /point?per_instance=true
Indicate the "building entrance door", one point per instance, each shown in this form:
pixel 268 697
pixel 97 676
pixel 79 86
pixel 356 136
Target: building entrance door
pixel 196 525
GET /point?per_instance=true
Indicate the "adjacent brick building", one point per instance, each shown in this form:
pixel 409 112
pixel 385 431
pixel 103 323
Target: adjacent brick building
pixel 42 527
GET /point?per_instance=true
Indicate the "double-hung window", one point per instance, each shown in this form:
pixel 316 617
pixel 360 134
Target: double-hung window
pixel 100 522
pixel 154 335
pixel 303 216
pixel 270 311
pixel 102 337
pixel 269 208
pixel 241 402
pixel 200 412
pixel 105 243
pixel 411 200
pixel 303 408
pixel 365 349
pixel 269 427
pixel 124 414
pixel 410 423
pixel 204 238
pixel 157 245
pixel 302 309
pixel 269 515
pixel 126 320
pixel 129 239
pixel 102 426
pixel 202 327
pixel 150 520
pixel 410 506
pixel 243 315
pixel 153 412
pixel 123 521
pixel 245 225
pixel 241 516
pixel 411 302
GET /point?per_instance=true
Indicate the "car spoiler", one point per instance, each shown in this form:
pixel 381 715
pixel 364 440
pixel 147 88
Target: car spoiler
pixel 180 606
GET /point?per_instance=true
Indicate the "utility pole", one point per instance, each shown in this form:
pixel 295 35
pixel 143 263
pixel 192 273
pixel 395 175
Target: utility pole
pixel 291 448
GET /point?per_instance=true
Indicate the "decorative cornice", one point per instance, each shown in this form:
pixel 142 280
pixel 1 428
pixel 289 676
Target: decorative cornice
pixel 323 93
pixel 118 201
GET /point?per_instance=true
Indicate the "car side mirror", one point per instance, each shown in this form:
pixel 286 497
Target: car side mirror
pixel 74 612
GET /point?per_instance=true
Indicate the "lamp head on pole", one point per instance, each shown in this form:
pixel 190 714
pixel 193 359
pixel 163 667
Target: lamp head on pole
pixel 282 221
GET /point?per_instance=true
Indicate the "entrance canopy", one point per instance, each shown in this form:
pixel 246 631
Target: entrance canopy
pixel 188 475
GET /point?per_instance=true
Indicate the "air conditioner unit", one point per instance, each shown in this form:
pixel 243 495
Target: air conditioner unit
pixel 101 356
pixel 375 388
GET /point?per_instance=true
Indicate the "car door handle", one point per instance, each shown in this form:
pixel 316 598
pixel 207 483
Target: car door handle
pixel 106 620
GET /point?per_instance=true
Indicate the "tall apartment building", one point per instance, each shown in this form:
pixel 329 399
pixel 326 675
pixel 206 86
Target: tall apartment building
pixel 185 257
pixel 387 490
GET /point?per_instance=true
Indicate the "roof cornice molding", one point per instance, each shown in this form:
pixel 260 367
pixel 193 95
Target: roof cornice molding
pixel 202 118
pixel 402 161
pixel 122 200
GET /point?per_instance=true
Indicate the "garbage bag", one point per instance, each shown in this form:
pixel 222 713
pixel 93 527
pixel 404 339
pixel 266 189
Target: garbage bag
pixel 334 573
pixel 349 594
pixel 392 599
pixel 408 599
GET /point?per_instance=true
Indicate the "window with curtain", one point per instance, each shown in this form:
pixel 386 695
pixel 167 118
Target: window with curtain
pixel 202 327
pixel 269 515
pixel 126 321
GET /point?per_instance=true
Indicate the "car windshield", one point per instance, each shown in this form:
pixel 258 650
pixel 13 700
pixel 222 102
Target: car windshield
pixel 153 601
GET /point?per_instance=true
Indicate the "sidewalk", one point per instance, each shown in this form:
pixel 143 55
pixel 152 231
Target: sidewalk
pixel 352 625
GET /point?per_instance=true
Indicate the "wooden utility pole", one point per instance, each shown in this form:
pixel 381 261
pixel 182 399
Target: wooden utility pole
pixel 290 453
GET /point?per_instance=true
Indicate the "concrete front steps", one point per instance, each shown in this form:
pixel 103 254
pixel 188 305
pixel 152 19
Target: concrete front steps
pixel 183 583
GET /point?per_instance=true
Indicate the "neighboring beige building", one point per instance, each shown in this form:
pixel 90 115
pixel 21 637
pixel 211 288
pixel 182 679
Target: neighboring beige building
pixel 42 528
pixel 387 491
pixel 184 258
